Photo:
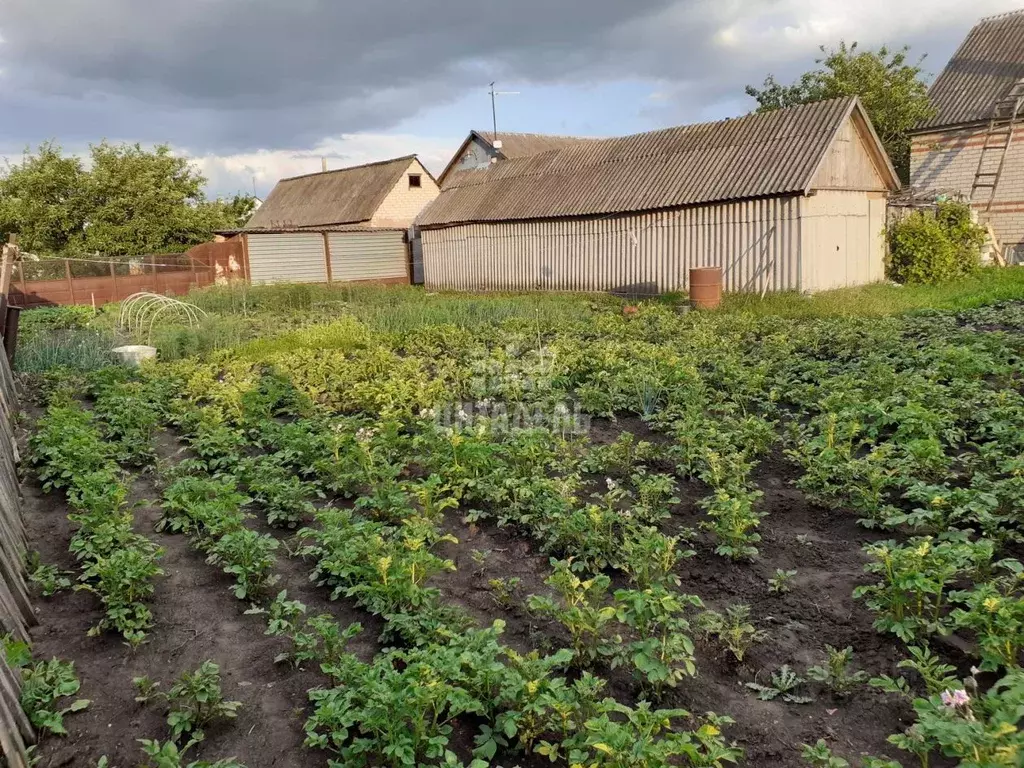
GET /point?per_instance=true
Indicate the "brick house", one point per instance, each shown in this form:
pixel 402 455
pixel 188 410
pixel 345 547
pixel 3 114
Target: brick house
pixel 948 151
pixel 346 225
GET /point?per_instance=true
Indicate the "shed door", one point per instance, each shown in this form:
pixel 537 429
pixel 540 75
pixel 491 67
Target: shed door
pixel 378 255
pixel 842 240
pixel 297 257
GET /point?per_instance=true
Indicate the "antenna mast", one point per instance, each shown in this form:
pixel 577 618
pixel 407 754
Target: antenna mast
pixel 494 108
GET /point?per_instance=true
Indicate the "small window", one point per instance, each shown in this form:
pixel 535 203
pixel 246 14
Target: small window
pixel 415 181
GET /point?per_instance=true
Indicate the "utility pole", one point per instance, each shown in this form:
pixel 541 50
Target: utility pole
pixel 494 108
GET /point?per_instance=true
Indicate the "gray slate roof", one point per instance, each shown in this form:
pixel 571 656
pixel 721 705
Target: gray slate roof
pixel 344 196
pixel 753 156
pixel 515 145
pixel 981 71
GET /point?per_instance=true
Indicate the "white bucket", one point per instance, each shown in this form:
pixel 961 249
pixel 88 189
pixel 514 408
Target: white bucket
pixel 134 354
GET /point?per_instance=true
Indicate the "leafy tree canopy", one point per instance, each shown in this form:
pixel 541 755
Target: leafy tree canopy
pixel 126 201
pixel 891 87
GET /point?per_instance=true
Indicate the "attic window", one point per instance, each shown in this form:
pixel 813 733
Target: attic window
pixel 415 181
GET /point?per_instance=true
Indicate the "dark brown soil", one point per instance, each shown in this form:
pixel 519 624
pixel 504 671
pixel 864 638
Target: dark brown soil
pixel 198 618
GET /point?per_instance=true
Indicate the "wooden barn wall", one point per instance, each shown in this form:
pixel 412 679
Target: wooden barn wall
pixel 756 242
pixel 16 614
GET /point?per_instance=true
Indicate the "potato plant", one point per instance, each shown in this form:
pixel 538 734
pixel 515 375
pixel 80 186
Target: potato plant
pixel 194 701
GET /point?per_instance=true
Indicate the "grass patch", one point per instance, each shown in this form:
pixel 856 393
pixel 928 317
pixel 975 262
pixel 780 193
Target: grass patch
pixel 990 286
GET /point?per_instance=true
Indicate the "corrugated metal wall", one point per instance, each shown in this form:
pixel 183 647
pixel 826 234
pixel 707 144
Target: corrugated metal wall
pixel 296 257
pixel 368 255
pixel 753 241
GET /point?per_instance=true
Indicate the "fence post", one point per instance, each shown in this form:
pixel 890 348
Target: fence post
pixel 156 273
pixel 195 273
pixel 71 282
pixel 327 258
pixel 10 255
pixel 24 282
pixel 113 279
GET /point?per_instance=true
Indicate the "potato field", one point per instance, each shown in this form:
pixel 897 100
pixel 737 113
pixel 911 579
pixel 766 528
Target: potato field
pixel 592 537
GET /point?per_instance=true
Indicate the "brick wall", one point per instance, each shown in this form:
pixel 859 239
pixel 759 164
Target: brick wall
pixel 948 161
pixel 404 203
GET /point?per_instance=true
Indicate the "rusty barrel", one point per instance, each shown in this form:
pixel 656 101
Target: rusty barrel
pixel 705 287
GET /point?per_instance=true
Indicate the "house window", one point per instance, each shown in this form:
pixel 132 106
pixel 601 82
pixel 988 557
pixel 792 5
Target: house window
pixel 415 181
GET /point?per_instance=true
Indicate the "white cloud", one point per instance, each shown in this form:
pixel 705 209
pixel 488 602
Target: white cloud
pixel 790 29
pixel 233 173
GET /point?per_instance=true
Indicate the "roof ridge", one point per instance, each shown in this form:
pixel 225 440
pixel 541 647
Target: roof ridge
pixel 352 167
pixel 534 133
pixel 1003 15
pixel 687 126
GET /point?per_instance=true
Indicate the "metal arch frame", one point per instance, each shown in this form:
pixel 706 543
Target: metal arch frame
pixel 141 308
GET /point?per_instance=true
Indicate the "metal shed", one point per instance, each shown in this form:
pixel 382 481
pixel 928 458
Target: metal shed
pixel 787 200
pixel 347 225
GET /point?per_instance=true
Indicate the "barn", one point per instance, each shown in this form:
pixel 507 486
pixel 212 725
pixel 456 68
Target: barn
pixel 973 147
pixel 788 200
pixel 345 225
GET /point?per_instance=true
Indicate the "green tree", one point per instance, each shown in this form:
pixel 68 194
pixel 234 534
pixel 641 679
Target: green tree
pixel 130 201
pixel 42 200
pixel 891 87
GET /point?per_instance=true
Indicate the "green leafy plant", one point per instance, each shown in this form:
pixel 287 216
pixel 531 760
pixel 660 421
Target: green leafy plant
pixel 168 755
pixel 978 729
pixel 733 629
pixel 994 610
pixel 504 590
pixel 785 683
pixel 663 653
pixel 124 580
pixel 928 247
pixel 248 556
pixel 194 701
pixel 733 522
pixel 580 609
pixel 626 737
pixel 936 675
pixel 781 582
pixel 912 595
pixel 43 685
pixel 819 755
pixel 837 673
pixel 49 578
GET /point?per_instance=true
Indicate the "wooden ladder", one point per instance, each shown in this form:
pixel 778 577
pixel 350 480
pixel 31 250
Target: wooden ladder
pixel 998 138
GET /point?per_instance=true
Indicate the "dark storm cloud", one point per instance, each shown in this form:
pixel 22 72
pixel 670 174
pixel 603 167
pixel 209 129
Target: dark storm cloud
pixel 224 76
pixel 237 74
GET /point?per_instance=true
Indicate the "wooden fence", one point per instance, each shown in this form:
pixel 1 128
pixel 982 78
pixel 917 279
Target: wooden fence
pixel 16 614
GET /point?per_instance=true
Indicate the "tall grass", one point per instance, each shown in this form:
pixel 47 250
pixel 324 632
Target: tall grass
pixel 990 286
pixel 396 309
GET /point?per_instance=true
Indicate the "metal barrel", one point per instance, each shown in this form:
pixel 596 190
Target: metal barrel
pixel 705 287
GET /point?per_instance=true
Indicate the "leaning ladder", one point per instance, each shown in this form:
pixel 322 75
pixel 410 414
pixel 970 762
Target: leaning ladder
pixel 998 138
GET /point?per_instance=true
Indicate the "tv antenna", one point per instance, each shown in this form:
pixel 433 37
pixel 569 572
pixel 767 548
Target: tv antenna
pixel 494 107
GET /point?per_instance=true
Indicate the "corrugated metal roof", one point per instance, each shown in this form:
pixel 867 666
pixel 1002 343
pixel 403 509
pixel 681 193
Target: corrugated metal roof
pixel 514 145
pixel 758 155
pixel 344 196
pixel 982 70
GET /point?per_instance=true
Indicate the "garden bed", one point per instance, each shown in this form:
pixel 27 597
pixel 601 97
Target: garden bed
pixel 741 455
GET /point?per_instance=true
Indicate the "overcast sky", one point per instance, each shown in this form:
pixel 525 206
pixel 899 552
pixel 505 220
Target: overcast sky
pixel 264 88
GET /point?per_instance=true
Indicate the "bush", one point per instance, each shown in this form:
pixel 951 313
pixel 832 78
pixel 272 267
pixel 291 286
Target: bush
pixel 935 247
pixel 44 319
